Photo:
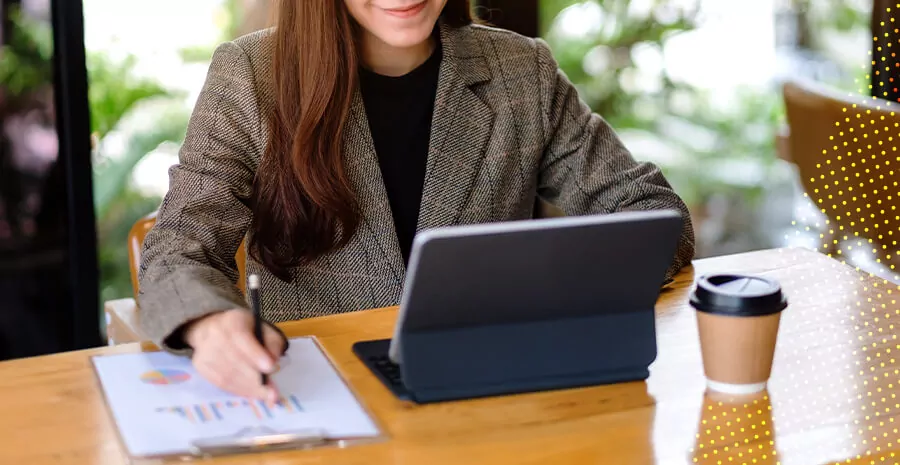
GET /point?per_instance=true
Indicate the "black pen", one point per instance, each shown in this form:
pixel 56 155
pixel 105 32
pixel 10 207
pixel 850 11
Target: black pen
pixel 257 316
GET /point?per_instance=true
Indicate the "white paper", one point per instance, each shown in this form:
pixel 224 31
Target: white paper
pixel 160 403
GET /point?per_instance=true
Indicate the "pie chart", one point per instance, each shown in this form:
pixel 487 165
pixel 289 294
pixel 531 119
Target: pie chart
pixel 165 376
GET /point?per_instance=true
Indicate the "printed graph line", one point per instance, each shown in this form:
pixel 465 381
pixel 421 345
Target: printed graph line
pixel 217 411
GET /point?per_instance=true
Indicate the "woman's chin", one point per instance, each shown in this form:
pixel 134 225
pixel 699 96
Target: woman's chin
pixel 407 37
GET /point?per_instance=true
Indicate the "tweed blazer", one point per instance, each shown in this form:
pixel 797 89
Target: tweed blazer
pixel 508 126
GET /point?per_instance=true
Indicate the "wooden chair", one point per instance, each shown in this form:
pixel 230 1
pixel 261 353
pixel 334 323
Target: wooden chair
pixel 136 241
pixel 845 150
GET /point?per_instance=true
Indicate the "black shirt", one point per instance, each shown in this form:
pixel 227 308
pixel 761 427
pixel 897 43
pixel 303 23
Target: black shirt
pixel 399 111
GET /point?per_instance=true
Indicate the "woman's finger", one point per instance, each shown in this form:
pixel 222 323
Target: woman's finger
pixel 274 341
pixel 208 371
pixel 242 339
pixel 232 371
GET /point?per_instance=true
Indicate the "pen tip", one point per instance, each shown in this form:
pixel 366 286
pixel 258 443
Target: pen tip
pixel 254 281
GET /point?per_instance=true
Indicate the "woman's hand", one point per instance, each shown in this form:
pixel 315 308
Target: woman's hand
pixel 228 355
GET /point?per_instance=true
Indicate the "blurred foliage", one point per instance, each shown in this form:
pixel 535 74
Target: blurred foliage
pixel 112 231
pixel 115 91
pixel 842 16
pixel 613 42
pixel 229 18
pixel 116 95
pixel 26 61
pixel 118 99
pixel 683 120
pixel 830 38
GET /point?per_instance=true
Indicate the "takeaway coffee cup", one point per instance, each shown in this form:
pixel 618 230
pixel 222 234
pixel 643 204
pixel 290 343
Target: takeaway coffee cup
pixel 737 318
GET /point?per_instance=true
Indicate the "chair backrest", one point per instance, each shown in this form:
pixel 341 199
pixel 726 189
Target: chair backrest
pixel 845 149
pixel 136 241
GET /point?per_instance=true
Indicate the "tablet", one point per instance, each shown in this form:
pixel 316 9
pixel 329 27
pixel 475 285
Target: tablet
pixel 530 270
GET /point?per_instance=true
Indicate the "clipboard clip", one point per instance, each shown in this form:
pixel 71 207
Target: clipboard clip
pixel 258 439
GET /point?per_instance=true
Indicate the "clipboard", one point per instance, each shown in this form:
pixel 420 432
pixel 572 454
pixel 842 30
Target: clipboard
pixel 256 439
pixel 249 439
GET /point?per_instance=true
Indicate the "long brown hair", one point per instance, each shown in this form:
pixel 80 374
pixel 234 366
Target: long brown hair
pixel 303 204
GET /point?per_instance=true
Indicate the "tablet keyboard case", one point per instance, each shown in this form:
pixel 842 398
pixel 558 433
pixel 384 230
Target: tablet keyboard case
pixel 503 328
pixel 508 359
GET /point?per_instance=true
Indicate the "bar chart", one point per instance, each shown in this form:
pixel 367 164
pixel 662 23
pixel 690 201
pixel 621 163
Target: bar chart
pixel 217 411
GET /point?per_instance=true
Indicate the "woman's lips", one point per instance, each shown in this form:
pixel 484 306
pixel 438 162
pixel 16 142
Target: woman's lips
pixel 406 12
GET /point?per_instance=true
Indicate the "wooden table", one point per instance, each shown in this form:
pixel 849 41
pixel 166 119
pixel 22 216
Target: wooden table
pixel 832 398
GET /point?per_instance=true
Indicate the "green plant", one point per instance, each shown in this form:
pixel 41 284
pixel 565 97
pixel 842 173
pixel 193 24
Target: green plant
pixel 114 91
pixel 146 116
pixel 112 176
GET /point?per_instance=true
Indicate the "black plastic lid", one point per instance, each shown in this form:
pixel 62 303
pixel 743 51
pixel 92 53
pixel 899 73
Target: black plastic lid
pixel 738 295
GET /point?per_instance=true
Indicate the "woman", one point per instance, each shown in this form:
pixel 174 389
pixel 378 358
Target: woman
pixel 331 139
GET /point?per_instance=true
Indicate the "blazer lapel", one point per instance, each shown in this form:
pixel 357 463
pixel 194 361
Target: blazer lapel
pixel 460 130
pixel 364 173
